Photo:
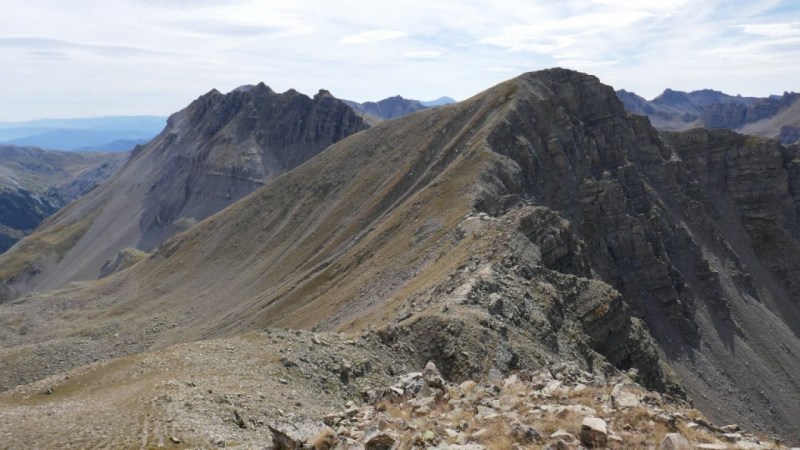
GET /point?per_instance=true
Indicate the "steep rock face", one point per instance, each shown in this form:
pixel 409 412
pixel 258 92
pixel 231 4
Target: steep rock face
pixel 755 181
pixel 684 261
pixel 535 222
pixel 222 147
pixel 735 115
pixel 214 152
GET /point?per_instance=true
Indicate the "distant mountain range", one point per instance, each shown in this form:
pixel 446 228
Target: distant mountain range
pixel 776 116
pixel 116 133
pixel 441 101
pixel 394 107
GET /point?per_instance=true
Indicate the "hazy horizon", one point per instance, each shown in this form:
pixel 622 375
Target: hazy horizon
pixel 153 57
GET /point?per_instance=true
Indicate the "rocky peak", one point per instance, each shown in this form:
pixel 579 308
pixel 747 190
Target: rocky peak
pixel 323 93
pixel 212 153
pixel 238 141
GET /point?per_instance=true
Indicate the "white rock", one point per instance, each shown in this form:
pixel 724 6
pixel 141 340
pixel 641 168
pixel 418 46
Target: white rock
pixel 674 441
pixel 594 432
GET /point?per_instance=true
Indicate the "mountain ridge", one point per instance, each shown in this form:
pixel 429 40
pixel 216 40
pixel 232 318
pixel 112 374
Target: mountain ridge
pixel 81 134
pixel 217 150
pixel 387 109
pixel 537 221
pixel 774 116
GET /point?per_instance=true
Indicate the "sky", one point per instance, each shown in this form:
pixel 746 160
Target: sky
pixel 81 58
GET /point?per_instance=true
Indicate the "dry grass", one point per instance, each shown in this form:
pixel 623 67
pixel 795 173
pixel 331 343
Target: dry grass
pixel 400 411
pixel 55 241
pixel 497 436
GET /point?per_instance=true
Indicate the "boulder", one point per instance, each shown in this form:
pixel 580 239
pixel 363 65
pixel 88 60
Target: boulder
pixel 674 441
pixel 624 398
pixel 594 432
pixel 432 376
pixel 297 435
pixel 524 434
pixel 376 439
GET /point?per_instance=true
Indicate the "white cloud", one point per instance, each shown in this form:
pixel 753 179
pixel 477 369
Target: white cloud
pixel 422 54
pixel 373 36
pixel 774 30
pixel 93 57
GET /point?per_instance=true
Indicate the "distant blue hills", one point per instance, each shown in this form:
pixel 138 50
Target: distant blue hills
pixel 110 134
pixel 441 101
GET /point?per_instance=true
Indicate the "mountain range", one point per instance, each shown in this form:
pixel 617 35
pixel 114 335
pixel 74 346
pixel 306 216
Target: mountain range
pixel 776 116
pixel 394 107
pixel 109 134
pixel 537 223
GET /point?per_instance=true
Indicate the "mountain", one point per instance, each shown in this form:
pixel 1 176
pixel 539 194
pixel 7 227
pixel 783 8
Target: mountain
pixel 775 116
pixel 386 109
pixel 441 101
pixel 83 140
pixel 214 152
pixel 85 134
pixel 35 183
pixel 784 125
pixel 119 145
pixel 535 223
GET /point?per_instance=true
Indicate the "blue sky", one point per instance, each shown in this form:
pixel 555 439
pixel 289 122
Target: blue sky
pixel 121 57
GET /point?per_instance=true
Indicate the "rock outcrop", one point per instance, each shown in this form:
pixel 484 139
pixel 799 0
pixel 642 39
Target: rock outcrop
pixel 548 409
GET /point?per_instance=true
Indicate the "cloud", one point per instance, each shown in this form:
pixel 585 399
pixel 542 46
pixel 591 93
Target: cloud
pixel 500 70
pixel 774 30
pixel 549 35
pixel 422 54
pixel 373 36
pixel 154 56
pixel 47 44
pixel 239 29
pixel 47 55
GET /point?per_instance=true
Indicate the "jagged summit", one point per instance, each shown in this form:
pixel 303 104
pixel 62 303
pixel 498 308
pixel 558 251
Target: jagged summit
pixel 323 93
pixel 215 151
pixel 535 222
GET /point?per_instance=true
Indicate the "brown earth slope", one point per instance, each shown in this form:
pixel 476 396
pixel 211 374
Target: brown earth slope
pixel 214 152
pixel 536 221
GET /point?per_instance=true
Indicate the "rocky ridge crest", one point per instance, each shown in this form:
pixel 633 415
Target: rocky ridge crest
pixel 537 222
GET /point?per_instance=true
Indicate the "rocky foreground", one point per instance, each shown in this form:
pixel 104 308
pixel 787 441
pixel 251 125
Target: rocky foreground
pixel 560 408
